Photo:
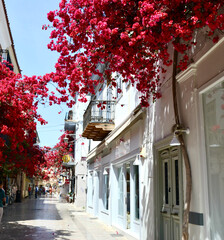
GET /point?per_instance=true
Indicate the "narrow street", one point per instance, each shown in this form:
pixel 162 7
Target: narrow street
pixel 48 218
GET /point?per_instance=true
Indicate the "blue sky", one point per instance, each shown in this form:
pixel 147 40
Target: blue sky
pixel 26 18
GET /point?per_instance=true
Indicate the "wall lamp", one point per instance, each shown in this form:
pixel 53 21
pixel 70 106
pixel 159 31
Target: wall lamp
pixel 137 160
pixel 140 156
pixel 105 172
pixel 175 141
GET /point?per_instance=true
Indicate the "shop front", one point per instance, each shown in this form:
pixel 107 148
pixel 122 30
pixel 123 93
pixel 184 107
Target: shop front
pixel 213 116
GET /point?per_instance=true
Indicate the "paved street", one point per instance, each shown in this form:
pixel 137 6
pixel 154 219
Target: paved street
pixel 48 218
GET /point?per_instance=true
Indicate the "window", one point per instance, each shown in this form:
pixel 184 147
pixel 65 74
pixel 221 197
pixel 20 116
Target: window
pixel 90 189
pixel 166 180
pixel 120 192
pixel 213 104
pixel 4 54
pixel 106 190
pixel 136 184
pixel 176 178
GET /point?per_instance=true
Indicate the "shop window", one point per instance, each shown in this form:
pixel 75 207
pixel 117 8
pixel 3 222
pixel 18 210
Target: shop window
pixel 106 190
pixel 213 104
pixel 120 192
pixel 91 189
pixel 136 183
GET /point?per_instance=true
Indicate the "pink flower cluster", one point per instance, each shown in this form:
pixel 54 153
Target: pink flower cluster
pixel 130 37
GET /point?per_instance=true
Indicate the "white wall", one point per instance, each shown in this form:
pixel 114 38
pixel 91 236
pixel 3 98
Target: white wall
pixel 198 75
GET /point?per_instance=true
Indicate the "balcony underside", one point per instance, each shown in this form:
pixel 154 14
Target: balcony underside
pixel 97 131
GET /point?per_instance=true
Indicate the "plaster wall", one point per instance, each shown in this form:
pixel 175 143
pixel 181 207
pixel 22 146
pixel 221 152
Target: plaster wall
pixel 199 74
pixel 5 40
pixel 164 114
pixel 211 64
pixel 187 102
pixel 80 200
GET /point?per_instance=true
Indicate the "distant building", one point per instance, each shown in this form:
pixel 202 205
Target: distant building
pixel 78 166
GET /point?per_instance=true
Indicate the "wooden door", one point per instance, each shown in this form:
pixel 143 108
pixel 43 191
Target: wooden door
pixel 171 207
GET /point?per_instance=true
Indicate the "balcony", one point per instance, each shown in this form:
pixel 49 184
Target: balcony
pixel 4 56
pixel 98 119
pixel 69 122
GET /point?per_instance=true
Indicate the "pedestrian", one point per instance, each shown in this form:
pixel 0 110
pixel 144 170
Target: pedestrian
pixel 36 191
pixel 50 190
pixel 2 199
pixel 29 191
pixel 44 190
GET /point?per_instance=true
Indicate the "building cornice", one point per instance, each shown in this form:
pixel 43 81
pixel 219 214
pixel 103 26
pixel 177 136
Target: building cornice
pixel 191 71
pixel 186 74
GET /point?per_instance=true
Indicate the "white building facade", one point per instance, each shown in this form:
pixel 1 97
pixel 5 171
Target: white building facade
pixel 114 187
pixel 200 103
pixel 147 200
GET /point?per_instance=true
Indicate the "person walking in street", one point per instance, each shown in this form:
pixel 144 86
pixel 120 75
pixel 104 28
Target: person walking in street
pixel 2 199
pixel 29 191
pixel 50 190
pixel 36 191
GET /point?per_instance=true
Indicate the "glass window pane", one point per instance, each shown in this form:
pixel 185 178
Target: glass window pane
pixel 120 192
pixel 136 182
pixel 213 103
pixel 106 190
pixel 128 188
pixel 177 182
pixel 166 183
pixel 90 189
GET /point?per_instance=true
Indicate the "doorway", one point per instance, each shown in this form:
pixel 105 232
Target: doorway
pixel 127 197
pixel 124 195
pixel 170 195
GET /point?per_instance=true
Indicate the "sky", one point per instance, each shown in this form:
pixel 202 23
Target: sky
pixel 26 18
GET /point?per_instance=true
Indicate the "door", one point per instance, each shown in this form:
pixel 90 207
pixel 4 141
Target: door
pixel 123 195
pixel 120 196
pixel 120 192
pixel 96 199
pixel 170 208
pixel 127 195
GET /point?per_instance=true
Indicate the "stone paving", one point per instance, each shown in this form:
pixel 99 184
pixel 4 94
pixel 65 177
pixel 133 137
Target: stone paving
pixel 48 218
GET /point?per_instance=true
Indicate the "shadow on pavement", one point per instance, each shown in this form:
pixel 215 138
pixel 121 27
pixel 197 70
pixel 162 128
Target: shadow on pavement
pixel 15 231
pixel 28 209
pixel 33 219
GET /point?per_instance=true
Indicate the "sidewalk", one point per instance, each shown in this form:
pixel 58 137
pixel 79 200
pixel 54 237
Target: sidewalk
pixel 98 230
pixel 47 218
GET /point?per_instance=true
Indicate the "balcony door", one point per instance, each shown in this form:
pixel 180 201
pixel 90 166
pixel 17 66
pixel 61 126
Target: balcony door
pixel 170 195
